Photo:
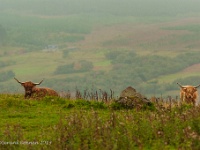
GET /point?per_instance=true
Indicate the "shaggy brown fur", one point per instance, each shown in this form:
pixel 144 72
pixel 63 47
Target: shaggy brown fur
pixel 31 91
pixel 188 93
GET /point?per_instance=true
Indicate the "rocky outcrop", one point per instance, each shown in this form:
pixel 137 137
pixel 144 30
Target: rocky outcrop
pixel 130 98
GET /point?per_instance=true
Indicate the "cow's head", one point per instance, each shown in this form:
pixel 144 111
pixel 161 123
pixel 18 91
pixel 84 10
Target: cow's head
pixel 28 87
pixel 189 91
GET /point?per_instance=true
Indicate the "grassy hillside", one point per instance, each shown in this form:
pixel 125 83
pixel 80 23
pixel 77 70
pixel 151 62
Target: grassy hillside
pixel 59 123
pixel 95 44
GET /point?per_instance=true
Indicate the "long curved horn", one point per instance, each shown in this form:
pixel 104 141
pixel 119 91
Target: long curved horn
pixel 39 82
pixel 197 86
pixel 180 85
pixel 19 81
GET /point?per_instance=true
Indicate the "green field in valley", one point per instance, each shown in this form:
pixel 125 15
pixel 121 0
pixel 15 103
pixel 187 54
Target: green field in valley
pixel 95 48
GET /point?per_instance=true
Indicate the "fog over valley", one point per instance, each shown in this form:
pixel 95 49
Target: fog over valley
pixel 107 45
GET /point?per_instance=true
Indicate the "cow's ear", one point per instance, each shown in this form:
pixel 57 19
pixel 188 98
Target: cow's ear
pixel 194 89
pixel 184 89
pixel 22 84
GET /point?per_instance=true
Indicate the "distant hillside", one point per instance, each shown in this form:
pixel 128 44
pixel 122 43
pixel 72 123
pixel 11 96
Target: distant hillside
pixel 100 44
pixel 137 8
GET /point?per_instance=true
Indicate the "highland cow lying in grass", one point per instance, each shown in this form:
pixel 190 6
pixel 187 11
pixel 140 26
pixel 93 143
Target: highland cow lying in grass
pixel 31 91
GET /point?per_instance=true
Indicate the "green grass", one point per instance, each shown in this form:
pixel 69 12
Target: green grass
pixel 59 123
pixel 171 77
pixel 102 63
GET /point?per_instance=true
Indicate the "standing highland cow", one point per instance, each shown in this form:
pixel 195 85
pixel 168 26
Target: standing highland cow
pixel 188 93
pixel 31 91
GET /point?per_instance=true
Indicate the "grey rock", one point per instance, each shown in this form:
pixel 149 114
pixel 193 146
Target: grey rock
pixel 130 98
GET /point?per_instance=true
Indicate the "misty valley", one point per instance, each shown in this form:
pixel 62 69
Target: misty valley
pixel 90 52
